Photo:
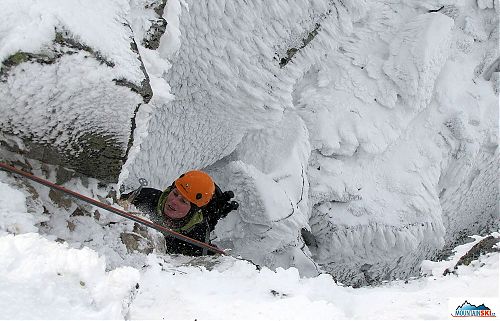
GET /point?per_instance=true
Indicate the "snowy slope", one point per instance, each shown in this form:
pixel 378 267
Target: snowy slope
pixel 41 278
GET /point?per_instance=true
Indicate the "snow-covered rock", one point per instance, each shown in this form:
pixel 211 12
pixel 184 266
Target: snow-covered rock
pixel 71 81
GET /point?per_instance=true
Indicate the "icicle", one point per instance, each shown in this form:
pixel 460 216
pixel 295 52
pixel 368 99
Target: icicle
pixel 357 236
pixel 336 242
pixel 379 239
pixel 368 235
pixel 411 241
pixel 349 237
pixel 390 237
pixel 344 243
pixel 420 231
pixel 400 240
pixel 428 231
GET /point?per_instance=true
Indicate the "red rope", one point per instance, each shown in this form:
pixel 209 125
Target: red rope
pixel 111 209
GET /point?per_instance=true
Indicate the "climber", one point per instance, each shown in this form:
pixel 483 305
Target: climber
pixel 192 206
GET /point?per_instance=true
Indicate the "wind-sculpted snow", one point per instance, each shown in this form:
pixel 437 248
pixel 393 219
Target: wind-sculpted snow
pixel 272 189
pixel 370 82
pixel 225 77
pixel 49 102
pixel 416 57
pixel 357 135
pixel 382 147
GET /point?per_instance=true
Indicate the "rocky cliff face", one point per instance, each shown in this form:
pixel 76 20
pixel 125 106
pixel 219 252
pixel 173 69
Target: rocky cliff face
pixel 359 137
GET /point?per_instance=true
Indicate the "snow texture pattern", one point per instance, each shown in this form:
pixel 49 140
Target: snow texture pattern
pixel 372 125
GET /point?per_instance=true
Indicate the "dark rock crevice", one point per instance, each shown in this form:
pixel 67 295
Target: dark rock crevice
pixel 292 51
pixel 158 26
pixel 21 57
pixel 63 44
pixel 64 39
pixel 133 126
pixel 144 89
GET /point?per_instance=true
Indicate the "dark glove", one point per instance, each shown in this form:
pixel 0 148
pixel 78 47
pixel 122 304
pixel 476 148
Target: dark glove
pixel 221 204
pixel 226 204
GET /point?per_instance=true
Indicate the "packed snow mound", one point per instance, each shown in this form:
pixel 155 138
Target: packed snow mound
pixel 48 277
pixel 15 218
pixel 272 189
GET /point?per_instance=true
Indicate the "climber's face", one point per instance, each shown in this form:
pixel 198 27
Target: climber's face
pixel 176 206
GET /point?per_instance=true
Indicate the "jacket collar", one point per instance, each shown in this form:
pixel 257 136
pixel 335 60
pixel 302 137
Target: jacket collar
pixel 195 215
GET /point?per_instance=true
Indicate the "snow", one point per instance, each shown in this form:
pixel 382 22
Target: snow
pixel 375 105
pixel 54 88
pixel 36 271
pixel 221 92
pixel 417 55
pixel 15 218
pixel 156 64
pixel 29 25
pixel 379 136
pixel 41 278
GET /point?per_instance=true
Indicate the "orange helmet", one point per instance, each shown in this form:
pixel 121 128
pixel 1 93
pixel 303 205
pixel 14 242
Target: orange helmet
pixel 196 186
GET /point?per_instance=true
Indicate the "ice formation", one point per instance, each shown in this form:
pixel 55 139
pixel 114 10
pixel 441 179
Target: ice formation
pixel 360 137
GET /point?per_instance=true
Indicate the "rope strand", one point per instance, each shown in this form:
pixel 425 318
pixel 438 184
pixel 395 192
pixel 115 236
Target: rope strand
pixel 111 209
